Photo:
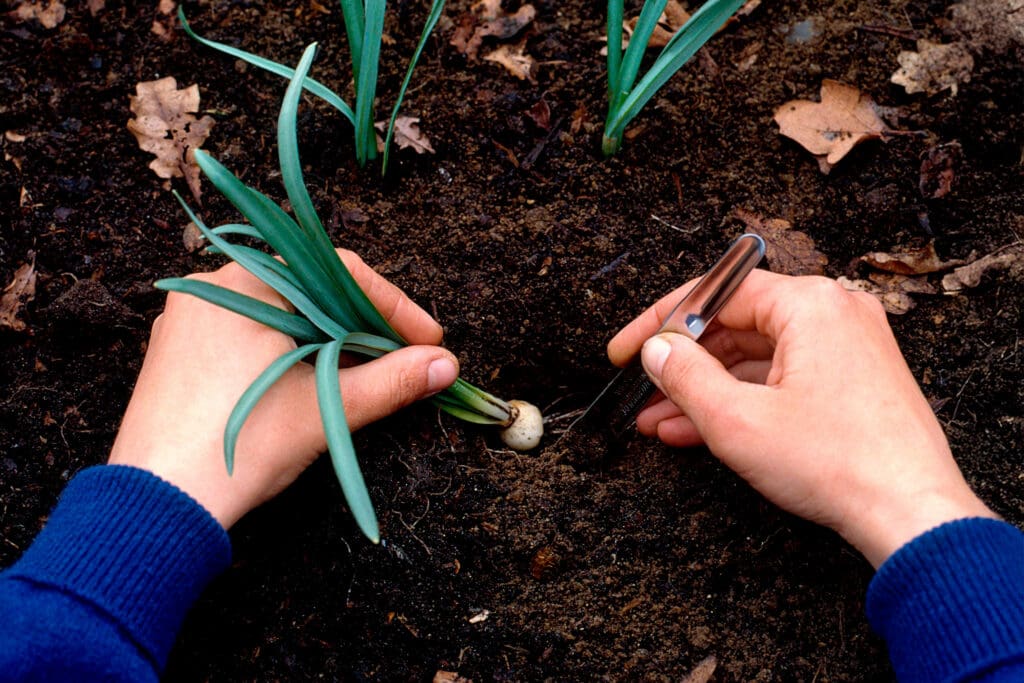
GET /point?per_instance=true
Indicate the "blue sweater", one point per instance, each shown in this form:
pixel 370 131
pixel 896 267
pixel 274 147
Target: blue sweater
pixel 103 590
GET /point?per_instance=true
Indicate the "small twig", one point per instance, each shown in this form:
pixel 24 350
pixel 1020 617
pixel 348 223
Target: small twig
pixel 413 534
pixel 674 227
pixel 904 33
pixel 959 396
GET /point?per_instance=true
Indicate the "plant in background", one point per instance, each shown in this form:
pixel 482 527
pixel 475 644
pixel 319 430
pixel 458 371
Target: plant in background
pixel 332 312
pixel 364 26
pixel 626 100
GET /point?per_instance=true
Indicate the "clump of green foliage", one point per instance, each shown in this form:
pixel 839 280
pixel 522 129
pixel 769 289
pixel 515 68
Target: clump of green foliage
pixel 332 313
pixel 364 27
pixel 625 100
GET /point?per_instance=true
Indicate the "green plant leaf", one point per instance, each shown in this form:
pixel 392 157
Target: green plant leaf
pixel 614 44
pixel 339 441
pixel 315 87
pixel 242 229
pixel 366 81
pixel 283 235
pixel 358 306
pixel 262 312
pixel 352 13
pixel 683 45
pixel 252 395
pixel 435 14
pixel 273 273
pixel 645 26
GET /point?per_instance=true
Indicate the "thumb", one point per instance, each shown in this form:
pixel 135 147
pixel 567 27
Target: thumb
pixel 697 383
pixel 384 385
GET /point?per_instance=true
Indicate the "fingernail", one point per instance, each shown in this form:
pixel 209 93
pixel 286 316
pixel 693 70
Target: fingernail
pixel 654 355
pixel 440 374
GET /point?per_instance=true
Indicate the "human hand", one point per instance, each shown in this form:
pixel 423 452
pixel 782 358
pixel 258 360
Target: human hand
pixel 201 358
pixel 800 387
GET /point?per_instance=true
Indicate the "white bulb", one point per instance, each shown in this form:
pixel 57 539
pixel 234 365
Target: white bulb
pixel 526 429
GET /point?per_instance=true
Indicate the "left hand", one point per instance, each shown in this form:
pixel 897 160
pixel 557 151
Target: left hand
pixel 201 358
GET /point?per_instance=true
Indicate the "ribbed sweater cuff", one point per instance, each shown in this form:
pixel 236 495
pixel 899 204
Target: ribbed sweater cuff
pixel 134 546
pixel 950 603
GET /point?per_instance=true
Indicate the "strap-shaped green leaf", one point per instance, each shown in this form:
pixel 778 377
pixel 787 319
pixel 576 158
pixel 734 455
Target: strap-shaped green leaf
pixel 242 229
pixel 339 441
pixel 645 26
pixel 683 45
pixel 262 312
pixel 352 13
pixel 614 44
pixel 435 14
pixel 252 395
pixel 273 273
pixel 357 305
pixel 283 235
pixel 315 87
pixel 366 81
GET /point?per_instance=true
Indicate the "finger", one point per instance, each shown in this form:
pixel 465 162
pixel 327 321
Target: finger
pixel 409 320
pixel 751 308
pixel 679 432
pixel 647 419
pixel 733 346
pixel 701 386
pixel 753 371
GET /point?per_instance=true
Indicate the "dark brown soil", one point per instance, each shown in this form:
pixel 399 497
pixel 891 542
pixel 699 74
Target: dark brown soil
pixel 532 250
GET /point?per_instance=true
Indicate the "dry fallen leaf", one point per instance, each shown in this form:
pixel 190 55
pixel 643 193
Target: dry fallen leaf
pixel 703 671
pixel 515 60
pixel 934 68
pixel 163 24
pixel 915 261
pixel 892 290
pixel 540 113
pixel 1009 258
pixel 989 25
pixel 165 126
pixel 450 677
pixel 408 134
pixel 48 14
pixel 96 6
pixel 938 169
pixel 831 128
pixel 788 251
pixel 488 19
pixel 19 292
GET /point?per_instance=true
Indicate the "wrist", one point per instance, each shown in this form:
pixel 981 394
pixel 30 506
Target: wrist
pixel 879 530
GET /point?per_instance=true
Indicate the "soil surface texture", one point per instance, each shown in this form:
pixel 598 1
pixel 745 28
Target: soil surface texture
pixel 580 560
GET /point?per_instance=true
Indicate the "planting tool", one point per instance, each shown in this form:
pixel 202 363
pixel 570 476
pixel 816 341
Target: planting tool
pixel 616 407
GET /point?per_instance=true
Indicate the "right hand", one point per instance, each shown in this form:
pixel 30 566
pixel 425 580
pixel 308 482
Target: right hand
pixel 800 387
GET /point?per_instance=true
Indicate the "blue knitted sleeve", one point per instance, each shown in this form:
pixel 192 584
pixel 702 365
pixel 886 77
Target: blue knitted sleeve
pixel 104 589
pixel 950 604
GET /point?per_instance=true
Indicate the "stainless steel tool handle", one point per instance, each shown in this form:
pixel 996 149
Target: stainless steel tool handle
pixel 698 308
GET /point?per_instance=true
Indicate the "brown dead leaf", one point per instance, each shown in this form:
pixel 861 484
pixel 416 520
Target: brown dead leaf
pixel 1009 258
pixel 748 56
pixel 938 169
pixel 96 6
pixel 192 238
pixel 515 60
pixel 788 251
pixel 989 25
pixel 450 677
pixel 165 126
pixel 489 20
pixel 892 290
pixel 916 261
pixel 934 68
pixel 831 128
pixel 19 292
pixel 408 134
pixel 49 14
pixel 703 671
pixel 540 113
pixel 14 136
